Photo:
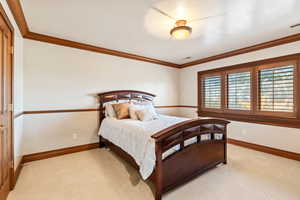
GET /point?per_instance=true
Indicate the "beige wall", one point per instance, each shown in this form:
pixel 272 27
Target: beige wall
pixel 17 87
pixel 277 137
pixel 57 77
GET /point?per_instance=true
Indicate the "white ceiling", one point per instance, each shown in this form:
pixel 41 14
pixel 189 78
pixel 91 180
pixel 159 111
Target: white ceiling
pixel 132 26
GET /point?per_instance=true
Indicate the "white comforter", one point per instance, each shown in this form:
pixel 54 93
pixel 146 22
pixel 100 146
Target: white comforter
pixel 134 137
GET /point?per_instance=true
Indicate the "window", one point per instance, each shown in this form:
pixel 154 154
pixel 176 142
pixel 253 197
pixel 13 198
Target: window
pixel 277 89
pixel 264 92
pixel 239 91
pixel 212 92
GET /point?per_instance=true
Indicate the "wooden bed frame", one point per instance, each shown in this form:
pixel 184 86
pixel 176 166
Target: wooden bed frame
pixel 184 164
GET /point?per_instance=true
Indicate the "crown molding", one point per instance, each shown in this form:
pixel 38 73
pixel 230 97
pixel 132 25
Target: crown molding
pixel 280 41
pixel 82 46
pixel 17 11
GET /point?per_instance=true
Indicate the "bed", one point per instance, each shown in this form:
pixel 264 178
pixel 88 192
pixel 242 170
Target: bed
pixel 168 150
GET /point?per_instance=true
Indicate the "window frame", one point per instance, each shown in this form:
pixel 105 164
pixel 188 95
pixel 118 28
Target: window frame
pixel 203 96
pixel 226 89
pixel 254 115
pixel 277 113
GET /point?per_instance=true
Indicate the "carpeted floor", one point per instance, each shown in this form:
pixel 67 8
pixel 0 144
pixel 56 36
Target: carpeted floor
pixel 99 174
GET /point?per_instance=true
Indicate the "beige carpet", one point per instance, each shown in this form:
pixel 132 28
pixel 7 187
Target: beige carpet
pixel 99 174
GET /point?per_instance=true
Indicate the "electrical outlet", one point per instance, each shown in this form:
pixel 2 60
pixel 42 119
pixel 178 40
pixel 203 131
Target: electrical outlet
pixel 74 136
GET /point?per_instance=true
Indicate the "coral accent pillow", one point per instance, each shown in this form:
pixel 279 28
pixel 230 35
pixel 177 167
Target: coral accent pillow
pixel 122 110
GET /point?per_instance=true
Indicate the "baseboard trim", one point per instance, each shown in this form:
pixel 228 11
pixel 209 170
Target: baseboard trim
pixel 17 172
pixel 265 149
pixel 58 152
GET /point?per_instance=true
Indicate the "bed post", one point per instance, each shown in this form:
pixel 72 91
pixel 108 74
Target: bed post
pixel 101 143
pixel 225 144
pixel 101 117
pixel 158 171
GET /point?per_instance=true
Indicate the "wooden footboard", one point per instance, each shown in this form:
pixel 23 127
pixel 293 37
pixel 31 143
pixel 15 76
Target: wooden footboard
pixel 189 160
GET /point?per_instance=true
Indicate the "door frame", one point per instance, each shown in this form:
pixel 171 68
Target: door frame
pixel 10 26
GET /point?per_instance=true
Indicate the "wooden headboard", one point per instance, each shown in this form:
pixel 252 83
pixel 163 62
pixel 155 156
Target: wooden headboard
pixel 121 95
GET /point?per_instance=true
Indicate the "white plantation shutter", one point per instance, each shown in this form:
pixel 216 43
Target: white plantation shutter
pixel 239 91
pixel 276 89
pixel 212 92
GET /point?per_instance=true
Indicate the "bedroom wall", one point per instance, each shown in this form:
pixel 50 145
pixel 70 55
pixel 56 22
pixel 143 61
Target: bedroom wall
pixel 57 77
pixel 277 137
pixel 17 87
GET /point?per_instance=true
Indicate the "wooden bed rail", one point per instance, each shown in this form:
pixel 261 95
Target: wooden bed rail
pixel 182 126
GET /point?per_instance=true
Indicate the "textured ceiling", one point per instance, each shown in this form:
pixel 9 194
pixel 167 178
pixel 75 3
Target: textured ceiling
pixel 134 27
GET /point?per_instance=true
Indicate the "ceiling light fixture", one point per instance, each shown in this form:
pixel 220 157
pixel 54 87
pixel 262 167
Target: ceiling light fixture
pixel 181 31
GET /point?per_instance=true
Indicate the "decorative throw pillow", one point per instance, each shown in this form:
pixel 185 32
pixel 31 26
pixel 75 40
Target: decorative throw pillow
pixel 146 114
pixel 132 111
pixel 122 110
pixel 137 106
pixel 109 110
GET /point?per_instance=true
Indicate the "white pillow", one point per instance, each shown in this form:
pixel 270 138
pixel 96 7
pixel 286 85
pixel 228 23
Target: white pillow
pixel 109 111
pixel 137 106
pixel 148 105
pixel 146 114
pixel 132 111
pixel 152 109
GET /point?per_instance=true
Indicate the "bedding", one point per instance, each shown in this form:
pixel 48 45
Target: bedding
pixel 143 111
pixel 134 137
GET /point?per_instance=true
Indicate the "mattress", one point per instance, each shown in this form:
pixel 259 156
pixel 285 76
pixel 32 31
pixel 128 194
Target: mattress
pixel 134 137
